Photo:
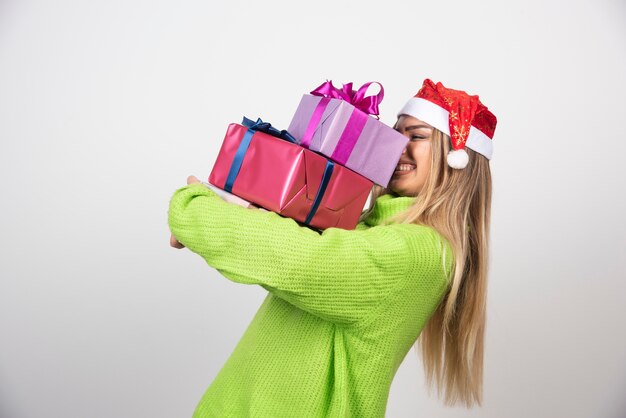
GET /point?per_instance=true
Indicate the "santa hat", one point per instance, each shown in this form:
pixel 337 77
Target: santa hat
pixel 463 117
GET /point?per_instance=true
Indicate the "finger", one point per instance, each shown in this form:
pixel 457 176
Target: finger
pixel 192 180
pixel 174 243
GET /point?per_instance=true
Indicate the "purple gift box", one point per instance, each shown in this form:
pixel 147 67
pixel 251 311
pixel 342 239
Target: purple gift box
pixel 337 123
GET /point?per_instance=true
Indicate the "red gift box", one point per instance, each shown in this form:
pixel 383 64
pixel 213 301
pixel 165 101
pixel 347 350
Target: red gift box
pixel 288 179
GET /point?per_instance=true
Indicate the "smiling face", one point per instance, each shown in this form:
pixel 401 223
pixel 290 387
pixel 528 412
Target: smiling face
pixel 414 165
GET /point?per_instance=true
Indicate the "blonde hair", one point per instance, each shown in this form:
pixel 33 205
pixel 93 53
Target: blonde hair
pixel 457 204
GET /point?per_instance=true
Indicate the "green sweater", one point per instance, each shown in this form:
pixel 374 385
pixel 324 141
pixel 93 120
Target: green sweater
pixel 343 309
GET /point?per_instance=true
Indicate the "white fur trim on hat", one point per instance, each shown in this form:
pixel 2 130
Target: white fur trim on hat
pixel 428 112
pixel 437 117
pixel 479 142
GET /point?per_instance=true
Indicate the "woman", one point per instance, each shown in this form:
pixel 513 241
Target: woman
pixel 344 307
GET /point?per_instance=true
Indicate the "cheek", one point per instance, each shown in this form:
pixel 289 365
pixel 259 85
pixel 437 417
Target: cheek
pixel 422 155
pixel 423 162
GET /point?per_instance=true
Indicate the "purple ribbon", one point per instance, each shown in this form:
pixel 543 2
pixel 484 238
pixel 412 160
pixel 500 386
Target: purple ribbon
pixel 314 122
pixel 356 98
pixel 367 105
pixel 349 136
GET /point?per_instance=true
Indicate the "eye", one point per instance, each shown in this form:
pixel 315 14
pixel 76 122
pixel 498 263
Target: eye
pixel 417 137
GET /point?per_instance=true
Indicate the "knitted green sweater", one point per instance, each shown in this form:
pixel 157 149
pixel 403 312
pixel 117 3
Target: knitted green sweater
pixel 343 309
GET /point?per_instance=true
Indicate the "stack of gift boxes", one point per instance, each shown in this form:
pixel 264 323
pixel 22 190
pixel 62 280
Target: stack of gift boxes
pixel 320 170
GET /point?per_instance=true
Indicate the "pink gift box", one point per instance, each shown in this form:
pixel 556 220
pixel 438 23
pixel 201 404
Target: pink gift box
pixel 347 134
pixel 285 178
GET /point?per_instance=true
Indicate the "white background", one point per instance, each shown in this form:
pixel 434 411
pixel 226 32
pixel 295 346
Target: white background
pixel 107 106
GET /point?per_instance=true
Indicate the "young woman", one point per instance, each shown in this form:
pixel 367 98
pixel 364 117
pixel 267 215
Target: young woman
pixel 345 306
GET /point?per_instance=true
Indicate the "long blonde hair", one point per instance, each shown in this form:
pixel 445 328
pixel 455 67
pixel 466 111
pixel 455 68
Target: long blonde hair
pixel 457 204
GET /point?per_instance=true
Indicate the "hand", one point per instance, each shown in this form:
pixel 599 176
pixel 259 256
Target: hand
pixel 192 180
pixel 173 241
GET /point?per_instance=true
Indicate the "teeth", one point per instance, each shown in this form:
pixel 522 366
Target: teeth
pixel 405 167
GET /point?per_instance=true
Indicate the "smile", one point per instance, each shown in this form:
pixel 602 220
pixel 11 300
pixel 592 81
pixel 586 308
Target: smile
pixel 402 169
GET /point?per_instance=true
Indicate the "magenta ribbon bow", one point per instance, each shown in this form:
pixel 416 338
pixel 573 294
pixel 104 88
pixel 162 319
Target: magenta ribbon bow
pixel 356 98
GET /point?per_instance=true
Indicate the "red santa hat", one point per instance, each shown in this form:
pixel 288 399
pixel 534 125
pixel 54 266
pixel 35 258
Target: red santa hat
pixel 463 117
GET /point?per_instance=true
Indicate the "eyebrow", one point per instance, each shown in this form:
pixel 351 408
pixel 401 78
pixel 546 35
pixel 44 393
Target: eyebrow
pixel 409 128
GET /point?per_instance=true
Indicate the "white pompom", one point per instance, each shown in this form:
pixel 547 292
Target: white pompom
pixel 458 158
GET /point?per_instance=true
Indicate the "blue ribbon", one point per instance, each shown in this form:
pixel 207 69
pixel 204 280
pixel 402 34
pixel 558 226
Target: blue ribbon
pixel 328 172
pixel 266 127
pixel 253 127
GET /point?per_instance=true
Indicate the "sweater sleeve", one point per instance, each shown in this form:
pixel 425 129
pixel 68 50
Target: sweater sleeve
pixel 339 275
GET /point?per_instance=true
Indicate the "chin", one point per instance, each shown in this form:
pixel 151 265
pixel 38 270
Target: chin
pixel 403 191
pixel 398 185
pixel 398 190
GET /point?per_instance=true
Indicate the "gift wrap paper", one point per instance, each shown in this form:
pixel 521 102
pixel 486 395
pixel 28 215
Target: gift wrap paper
pixel 285 178
pixel 371 149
